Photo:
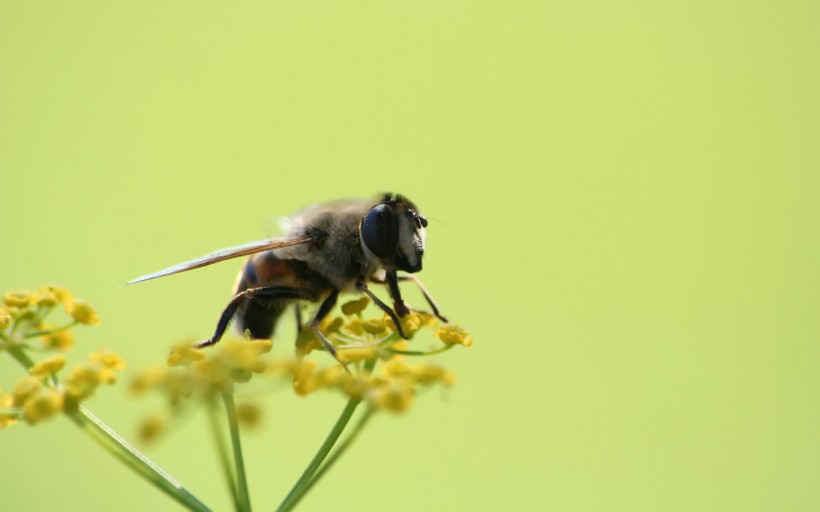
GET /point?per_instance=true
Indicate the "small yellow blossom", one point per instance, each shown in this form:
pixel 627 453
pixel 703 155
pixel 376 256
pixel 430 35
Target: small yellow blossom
pixel 5 318
pixel 7 419
pixel 211 372
pixel 429 374
pixel 454 334
pixel 107 360
pixel 373 326
pixel 409 323
pixel 245 355
pixel 181 387
pixel 357 385
pixel 60 340
pixel 330 327
pixel 427 319
pixel 306 342
pixel 397 369
pixel 83 379
pixel 354 326
pixel 152 427
pixel 63 296
pixel 47 367
pixel 18 299
pixel 184 355
pixel 353 354
pixel 46 297
pixel 24 388
pixel 81 311
pixel 249 415
pixel 304 378
pixel 42 404
pixel 332 376
pixel 355 306
pixel 393 396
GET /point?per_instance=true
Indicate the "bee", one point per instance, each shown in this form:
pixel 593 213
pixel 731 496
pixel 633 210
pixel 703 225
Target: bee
pixel 328 249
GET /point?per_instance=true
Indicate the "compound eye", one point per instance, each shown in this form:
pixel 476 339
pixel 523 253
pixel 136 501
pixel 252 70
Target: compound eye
pixel 380 230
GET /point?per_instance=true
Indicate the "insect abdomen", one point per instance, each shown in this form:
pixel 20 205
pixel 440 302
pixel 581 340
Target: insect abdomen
pixel 260 314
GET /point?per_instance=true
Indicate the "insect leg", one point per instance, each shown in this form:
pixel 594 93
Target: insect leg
pixel 427 296
pixel 384 307
pixel 395 292
pixel 272 292
pixel 299 323
pixel 324 310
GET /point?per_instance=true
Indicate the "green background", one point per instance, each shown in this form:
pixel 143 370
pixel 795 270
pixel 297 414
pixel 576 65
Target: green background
pixel 624 212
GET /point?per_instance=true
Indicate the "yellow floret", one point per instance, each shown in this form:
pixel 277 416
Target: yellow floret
pixel 25 388
pixel 42 404
pixel 81 311
pixel 409 323
pixel 47 367
pixel 394 396
pixel 184 355
pixel 353 354
pixel 152 427
pixel 454 335
pixel 18 299
pixel 61 340
pixel 355 306
pixel 5 318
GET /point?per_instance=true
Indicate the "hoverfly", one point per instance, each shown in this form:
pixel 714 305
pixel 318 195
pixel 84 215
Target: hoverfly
pixel 327 249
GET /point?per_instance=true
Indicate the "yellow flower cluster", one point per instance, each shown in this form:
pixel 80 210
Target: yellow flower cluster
pixel 40 394
pixel 373 354
pixel 191 371
pixel 392 388
pixel 23 315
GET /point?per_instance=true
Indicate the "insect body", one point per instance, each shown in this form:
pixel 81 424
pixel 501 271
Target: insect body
pixel 328 249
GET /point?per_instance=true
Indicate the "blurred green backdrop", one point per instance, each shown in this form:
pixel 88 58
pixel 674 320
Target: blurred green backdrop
pixel 624 212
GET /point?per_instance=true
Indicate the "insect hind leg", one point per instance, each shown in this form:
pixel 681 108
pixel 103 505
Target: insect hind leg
pixel 262 295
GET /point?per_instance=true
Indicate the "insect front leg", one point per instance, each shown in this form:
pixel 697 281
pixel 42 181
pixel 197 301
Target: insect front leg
pixel 411 277
pixel 384 307
pixel 395 292
pixel 269 293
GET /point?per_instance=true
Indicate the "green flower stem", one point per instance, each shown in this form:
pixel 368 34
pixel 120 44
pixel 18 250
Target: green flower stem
pixel 419 352
pixel 298 490
pixel 132 458
pixel 120 448
pixel 222 450
pixel 50 331
pixel 303 484
pixel 338 452
pixel 243 498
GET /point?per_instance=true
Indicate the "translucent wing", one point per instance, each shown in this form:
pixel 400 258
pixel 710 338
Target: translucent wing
pixel 225 254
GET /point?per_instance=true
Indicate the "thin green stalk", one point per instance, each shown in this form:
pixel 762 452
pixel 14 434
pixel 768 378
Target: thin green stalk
pixel 132 458
pixel 298 489
pixel 50 331
pixel 120 448
pixel 303 483
pixel 222 450
pixel 244 500
pixel 419 352
pixel 338 452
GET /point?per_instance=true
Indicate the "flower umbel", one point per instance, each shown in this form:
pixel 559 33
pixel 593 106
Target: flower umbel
pixel 373 366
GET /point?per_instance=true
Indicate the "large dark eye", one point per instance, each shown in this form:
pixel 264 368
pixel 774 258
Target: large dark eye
pixel 380 230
